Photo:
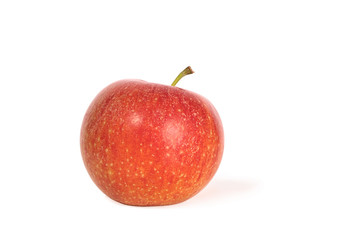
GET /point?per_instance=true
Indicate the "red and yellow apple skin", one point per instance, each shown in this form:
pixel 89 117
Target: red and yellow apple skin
pixel 147 144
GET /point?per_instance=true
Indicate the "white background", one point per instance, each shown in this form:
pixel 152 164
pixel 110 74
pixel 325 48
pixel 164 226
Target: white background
pixel 284 76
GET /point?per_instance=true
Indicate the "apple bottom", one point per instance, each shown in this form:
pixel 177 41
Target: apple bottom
pixel 145 195
pixel 151 182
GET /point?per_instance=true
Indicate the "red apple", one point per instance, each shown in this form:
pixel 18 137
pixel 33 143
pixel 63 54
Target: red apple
pixel 148 144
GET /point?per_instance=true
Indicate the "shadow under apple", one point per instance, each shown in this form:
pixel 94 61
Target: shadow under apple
pixel 220 189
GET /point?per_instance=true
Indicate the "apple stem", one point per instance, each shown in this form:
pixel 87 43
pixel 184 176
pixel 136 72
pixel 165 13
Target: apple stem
pixel 185 72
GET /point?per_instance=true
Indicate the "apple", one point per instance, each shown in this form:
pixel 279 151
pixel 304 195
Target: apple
pixel 147 144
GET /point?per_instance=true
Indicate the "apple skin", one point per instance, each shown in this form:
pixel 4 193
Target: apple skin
pixel 148 144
